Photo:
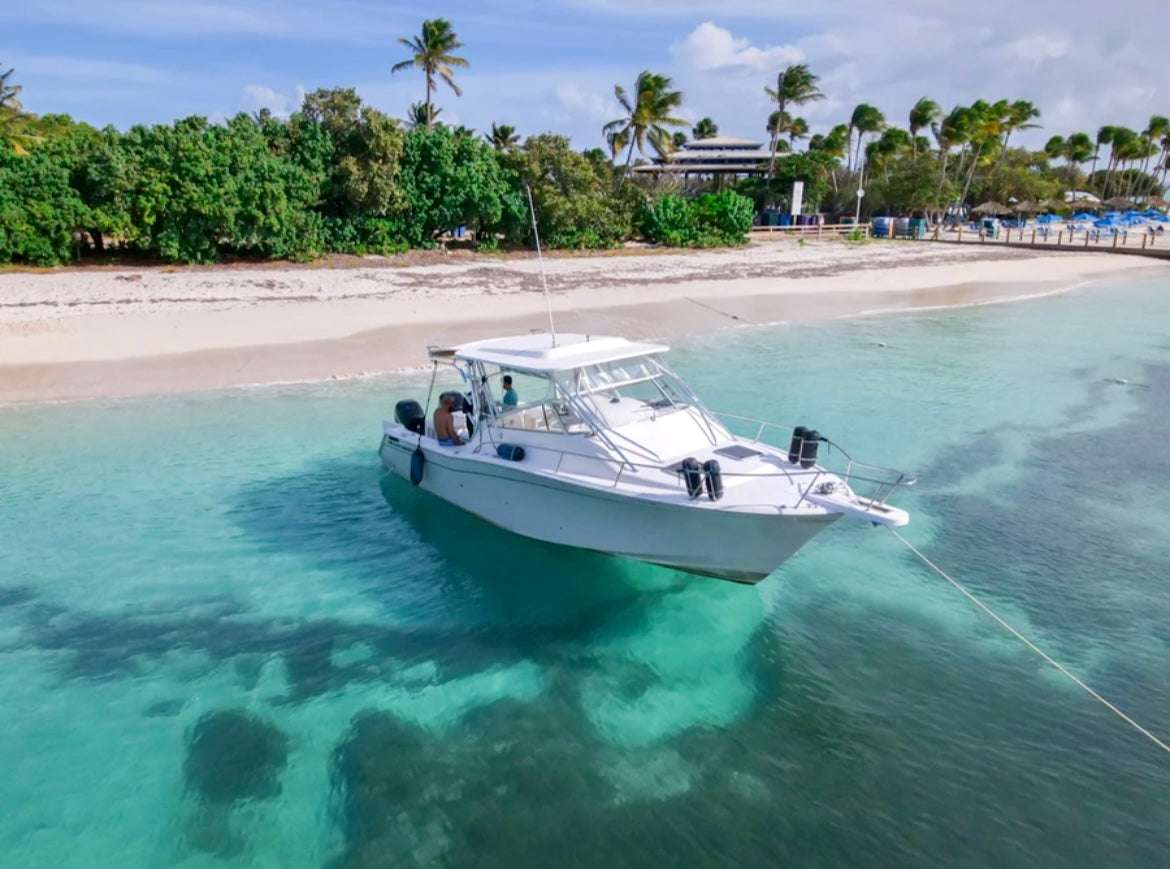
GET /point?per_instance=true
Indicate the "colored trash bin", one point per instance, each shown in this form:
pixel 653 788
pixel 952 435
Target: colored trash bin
pixel 917 227
pixel 881 227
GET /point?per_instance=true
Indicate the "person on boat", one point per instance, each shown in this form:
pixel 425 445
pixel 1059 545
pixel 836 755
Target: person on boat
pixel 511 399
pixel 444 419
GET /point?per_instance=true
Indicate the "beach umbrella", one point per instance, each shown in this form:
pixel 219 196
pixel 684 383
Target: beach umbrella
pixel 1119 202
pixel 1084 205
pixel 1053 204
pixel 1027 207
pixel 1084 215
pixel 1049 218
pixel 991 207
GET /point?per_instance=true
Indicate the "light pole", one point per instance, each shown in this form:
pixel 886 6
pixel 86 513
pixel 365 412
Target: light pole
pixel 860 192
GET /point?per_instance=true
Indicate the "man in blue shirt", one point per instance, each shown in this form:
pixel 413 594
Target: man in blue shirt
pixel 511 399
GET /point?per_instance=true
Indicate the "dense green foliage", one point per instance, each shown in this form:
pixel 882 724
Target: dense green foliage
pixel 708 220
pixel 340 176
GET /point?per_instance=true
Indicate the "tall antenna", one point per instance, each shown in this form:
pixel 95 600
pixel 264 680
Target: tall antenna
pixel 543 280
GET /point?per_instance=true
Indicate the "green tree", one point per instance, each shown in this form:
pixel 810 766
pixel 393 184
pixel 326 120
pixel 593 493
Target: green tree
pixel 502 137
pixel 986 128
pixel 449 181
pixel 778 124
pixel 1104 137
pixel 677 140
pixel 797 129
pixel 952 131
pixel 576 202
pixel 833 146
pixel 796 85
pixel 709 220
pixel 705 129
pixel 925 114
pixel 866 120
pixel 432 53
pixel 1155 135
pixel 1076 149
pixel 421 116
pixel 1018 116
pixel 647 116
pixel 14 121
pixel 893 143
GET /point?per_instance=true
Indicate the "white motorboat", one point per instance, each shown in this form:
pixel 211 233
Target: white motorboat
pixel 605 448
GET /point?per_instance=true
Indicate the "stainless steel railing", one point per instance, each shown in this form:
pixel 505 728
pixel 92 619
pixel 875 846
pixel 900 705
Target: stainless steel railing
pixel 884 479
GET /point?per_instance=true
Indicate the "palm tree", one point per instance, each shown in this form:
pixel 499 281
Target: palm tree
pixel 705 129
pixel 1158 128
pixel 1076 149
pixel 13 119
pixel 1165 161
pixel 835 144
pixel 1120 144
pixel 502 137
pixel 1019 116
pixel 797 129
pixel 1104 137
pixel 432 54
pixel 925 114
pixel 777 124
pixel 795 86
pixel 646 117
pixel 893 141
pixel 954 129
pixel 987 120
pixel 421 116
pixel 865 119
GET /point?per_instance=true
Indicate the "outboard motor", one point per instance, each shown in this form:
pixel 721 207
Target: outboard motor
pixel 795 444
pixel 808 448
pixel 410 414
pixel 692 472
pixel 714 478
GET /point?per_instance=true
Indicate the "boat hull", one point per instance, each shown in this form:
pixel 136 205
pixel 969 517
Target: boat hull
pixel 739 546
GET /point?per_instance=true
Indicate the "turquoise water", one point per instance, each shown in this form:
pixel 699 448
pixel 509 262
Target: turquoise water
pixel 227 640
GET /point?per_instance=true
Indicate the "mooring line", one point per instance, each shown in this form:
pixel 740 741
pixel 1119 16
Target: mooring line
pixel 1158 742
pixel 716 310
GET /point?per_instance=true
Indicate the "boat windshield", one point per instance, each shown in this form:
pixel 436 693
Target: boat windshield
pixel 626 390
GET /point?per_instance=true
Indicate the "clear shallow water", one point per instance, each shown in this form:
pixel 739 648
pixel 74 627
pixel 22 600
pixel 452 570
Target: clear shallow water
pixel 227 640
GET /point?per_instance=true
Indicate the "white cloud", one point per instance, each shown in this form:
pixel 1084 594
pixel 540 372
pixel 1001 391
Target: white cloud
pixel 586 104
pixel 710 47
pixel 1037 49
pixel 257 97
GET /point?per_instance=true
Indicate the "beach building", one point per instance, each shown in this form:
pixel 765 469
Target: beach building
pixel 714 157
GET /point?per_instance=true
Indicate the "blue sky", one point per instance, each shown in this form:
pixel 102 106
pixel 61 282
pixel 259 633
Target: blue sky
pixel 552 65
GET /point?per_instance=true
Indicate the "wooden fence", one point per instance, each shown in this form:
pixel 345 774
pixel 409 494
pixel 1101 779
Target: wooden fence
pixel 831 230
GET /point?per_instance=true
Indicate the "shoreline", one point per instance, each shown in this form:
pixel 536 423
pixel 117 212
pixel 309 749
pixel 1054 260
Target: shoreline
pixel 78 336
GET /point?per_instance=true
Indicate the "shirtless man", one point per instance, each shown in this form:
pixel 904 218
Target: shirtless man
pixel 445 422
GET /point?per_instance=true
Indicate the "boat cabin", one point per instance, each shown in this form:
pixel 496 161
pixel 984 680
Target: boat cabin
pixel 604 387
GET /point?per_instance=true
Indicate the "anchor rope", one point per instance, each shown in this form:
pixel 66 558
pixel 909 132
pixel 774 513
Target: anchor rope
pixel 1154 739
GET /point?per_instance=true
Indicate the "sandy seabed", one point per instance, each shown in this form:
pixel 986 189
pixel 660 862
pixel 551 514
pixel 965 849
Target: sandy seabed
pixel 88 333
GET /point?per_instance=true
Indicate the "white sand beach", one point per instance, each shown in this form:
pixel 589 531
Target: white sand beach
pixel 83 333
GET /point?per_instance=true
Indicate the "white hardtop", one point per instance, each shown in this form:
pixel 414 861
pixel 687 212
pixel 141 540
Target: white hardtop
pixel 536 352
